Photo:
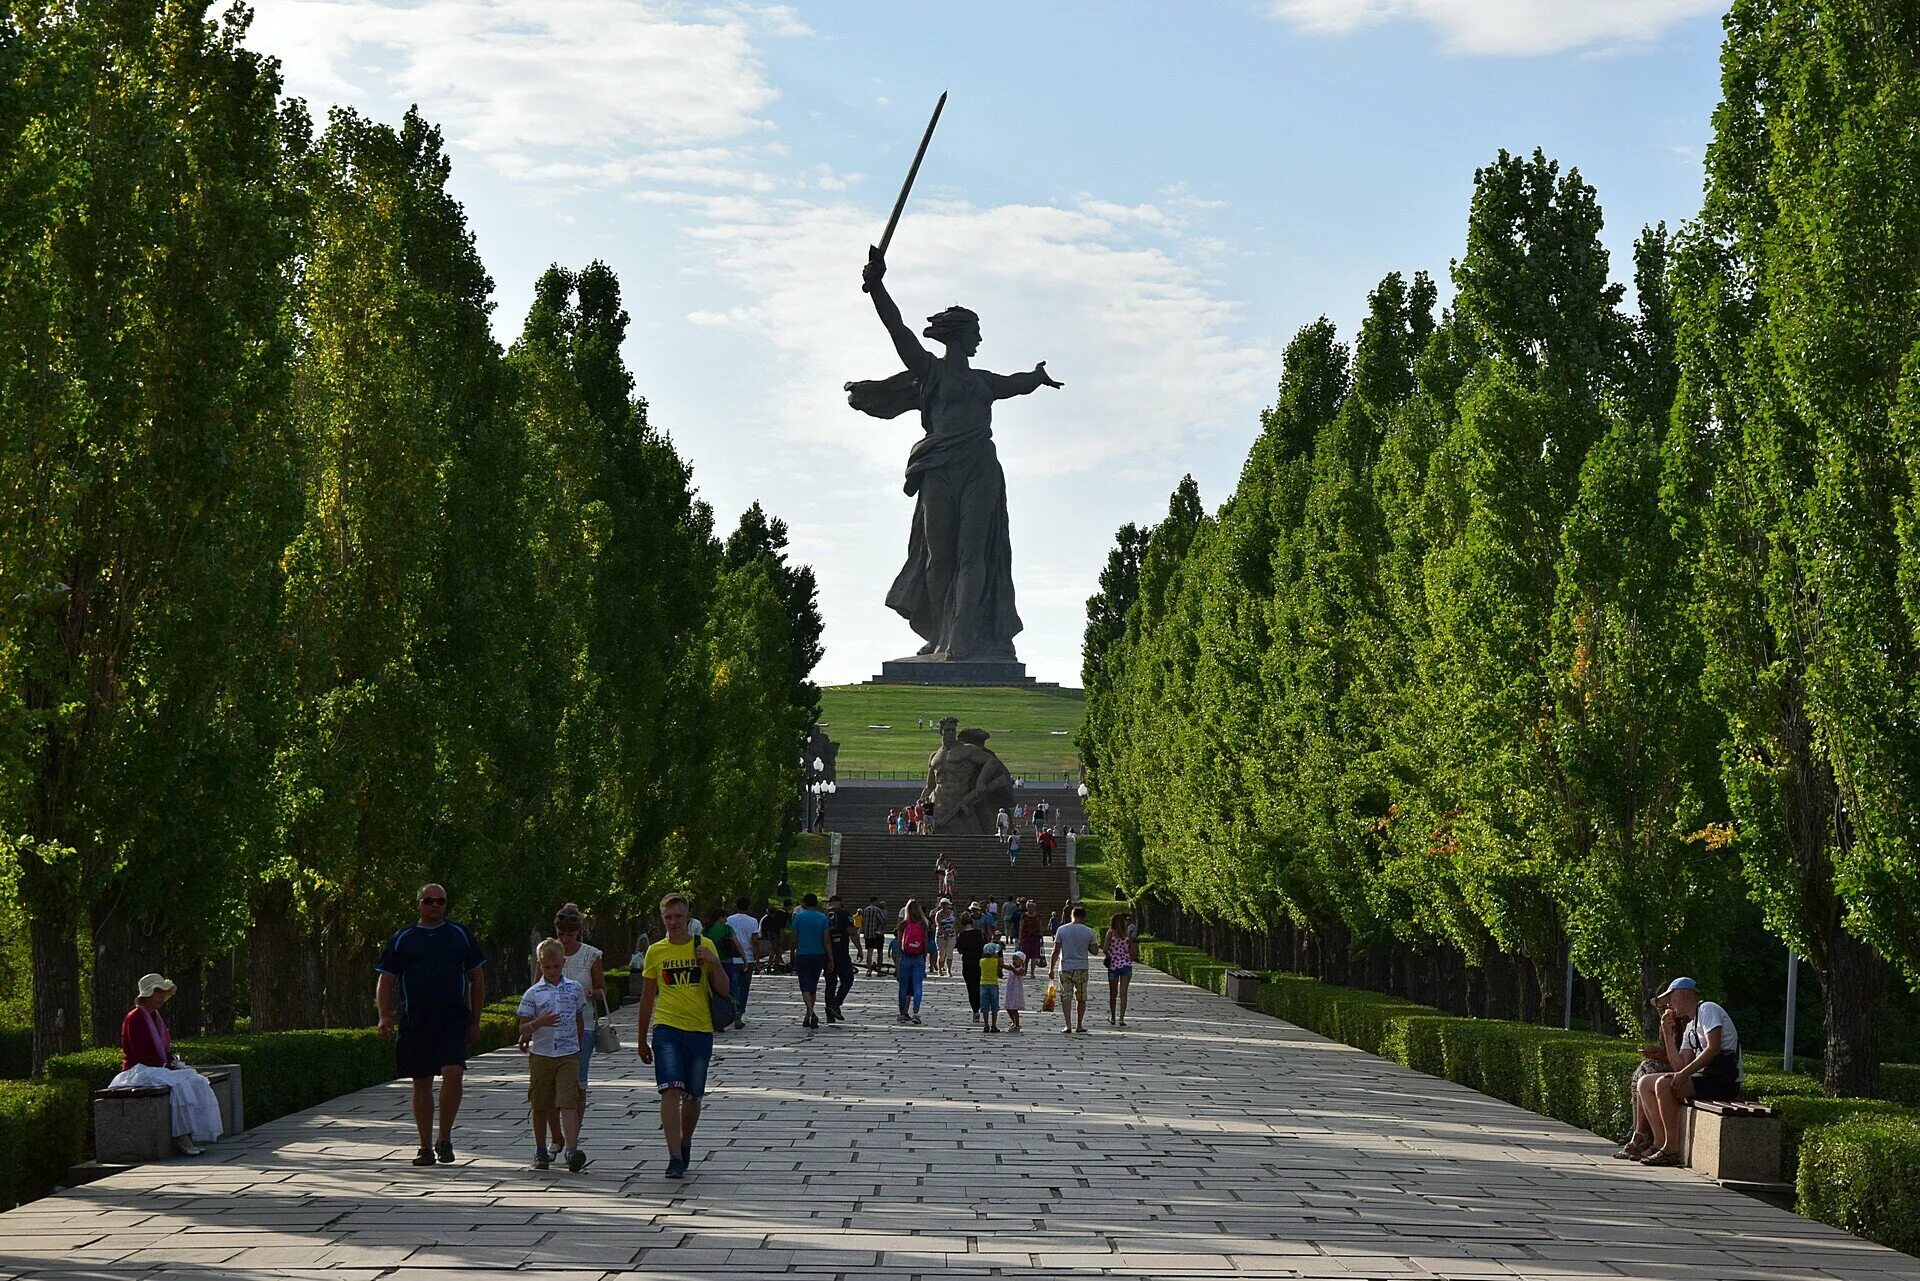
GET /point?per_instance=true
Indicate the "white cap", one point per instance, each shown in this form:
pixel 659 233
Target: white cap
pixel 151 983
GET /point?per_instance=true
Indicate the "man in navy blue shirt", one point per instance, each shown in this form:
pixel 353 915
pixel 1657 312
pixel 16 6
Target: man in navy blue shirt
pixel 431 970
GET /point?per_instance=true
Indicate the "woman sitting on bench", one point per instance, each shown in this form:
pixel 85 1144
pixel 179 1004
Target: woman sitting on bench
pixel 147 1061
pixel 1706 1066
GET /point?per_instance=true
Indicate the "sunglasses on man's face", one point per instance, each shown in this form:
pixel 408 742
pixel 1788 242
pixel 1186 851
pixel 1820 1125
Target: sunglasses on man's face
pixel 433 902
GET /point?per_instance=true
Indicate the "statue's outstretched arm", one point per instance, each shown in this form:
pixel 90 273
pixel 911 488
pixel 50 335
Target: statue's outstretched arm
pixel 915 357
pixel 1004 386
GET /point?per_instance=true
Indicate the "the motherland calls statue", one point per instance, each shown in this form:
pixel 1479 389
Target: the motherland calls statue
pixel 956 589
pixel 966 784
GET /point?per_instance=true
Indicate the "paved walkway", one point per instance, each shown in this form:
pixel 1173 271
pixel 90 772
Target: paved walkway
pixel 1202 1141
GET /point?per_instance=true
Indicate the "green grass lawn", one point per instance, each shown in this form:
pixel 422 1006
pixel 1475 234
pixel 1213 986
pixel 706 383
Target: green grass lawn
pixel 1032 729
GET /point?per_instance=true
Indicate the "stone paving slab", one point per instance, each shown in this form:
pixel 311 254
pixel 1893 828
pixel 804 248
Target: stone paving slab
pixel 1203 1141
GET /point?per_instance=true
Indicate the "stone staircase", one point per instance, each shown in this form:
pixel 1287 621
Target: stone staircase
pixel 860 807
pixel 898 868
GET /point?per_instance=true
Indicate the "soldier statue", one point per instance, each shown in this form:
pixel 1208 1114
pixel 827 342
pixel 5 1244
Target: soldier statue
pixel 966 783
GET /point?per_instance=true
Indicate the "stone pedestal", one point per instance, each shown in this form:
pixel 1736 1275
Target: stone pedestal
pixel 1731 1142
pixel 928 670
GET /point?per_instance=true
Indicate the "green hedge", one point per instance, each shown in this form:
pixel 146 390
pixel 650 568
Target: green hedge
pixel 43 1130
pixel 283 1072
pixel 1863 1175
pixel 1857 1160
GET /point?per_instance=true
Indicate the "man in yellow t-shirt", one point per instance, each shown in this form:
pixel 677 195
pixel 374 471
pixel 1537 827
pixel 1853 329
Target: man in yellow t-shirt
pixel 680 973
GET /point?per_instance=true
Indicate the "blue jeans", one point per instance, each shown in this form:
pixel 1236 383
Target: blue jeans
pixel 680 1060
pixel 913 979
pixel 586 1056
pixel 739 979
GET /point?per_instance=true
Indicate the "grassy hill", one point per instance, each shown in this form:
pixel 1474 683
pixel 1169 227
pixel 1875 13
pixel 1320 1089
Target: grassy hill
pixel 1032 729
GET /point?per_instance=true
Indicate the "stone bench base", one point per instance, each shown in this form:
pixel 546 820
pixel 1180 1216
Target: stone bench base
pixel 131 1125
pixel 1732 1142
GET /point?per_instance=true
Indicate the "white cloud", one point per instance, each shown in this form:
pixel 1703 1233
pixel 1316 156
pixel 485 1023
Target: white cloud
pixel 593 109
pixel 531 83
pixel 1514 28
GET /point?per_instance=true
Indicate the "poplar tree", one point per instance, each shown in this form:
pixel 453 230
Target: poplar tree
pixel 398 372
pixel 143 244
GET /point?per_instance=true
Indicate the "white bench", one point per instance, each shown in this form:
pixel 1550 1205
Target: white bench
pixel 135 1123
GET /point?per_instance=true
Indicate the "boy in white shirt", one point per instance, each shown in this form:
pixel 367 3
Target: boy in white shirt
pixel 553 1021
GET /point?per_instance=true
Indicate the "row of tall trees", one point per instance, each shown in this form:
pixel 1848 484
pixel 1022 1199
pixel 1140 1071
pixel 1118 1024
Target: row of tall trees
pixel 309 592
pixel 1541 626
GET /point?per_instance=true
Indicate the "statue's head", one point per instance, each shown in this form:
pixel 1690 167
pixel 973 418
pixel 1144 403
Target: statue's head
pixel 957 328
pixel 949 728
pixel 978 737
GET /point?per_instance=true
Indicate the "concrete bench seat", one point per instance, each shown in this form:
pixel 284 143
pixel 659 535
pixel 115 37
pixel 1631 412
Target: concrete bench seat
pixel 1732 1143
pixel 135 1123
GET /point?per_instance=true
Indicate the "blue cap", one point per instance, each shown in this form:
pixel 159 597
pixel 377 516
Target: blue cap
pixel 1681 985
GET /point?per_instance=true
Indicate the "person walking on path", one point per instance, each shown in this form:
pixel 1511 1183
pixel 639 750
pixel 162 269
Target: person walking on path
pixel 746 933
pixel 874 922
pixel 583 967
pixel 946 926
pixel 971 943
pixel 430 992
pixel 1046 841
pixel 1031 927
pixel 1013 849
pixel 680 978
pixel 773 935
pixel 147 1061
pixel 990 989
pixel 913 942
pixel 1072 944
pixel 840 947
pixel 811 955
pixel 1119 953
pixel 553 1028
pixel 1002 824
pixel 719 935
pixel 1015 995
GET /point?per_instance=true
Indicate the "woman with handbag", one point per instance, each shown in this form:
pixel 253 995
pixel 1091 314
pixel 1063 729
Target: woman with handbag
pixel 583 967
pixel 912 941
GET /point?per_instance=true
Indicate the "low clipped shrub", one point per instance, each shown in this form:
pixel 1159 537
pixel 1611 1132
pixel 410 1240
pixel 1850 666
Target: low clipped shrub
pixel 1857 1160
pixel 43 1130
pixel 1863 1175
pixel 283 1072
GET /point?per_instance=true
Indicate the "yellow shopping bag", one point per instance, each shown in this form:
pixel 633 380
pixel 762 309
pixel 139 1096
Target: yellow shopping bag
pixel 1053 995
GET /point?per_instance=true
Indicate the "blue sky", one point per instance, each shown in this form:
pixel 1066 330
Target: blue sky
pixel 1152 198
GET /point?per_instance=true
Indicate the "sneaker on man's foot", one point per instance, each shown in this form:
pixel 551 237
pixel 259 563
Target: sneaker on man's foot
pixel 916 1020
pixel 542 1159
pixel 738 1024
pixel 676 1168
pixel 424 1157
pixel 444 1150
pixel 576 1161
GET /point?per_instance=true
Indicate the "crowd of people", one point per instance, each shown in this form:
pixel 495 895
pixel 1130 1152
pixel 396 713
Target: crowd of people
pixel 697 977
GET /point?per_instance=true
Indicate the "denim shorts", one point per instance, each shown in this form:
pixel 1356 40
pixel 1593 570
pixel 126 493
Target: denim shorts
pixel 680 1060
pixel 990 998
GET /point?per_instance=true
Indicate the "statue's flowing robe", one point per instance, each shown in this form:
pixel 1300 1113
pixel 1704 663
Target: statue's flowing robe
pixel 956 588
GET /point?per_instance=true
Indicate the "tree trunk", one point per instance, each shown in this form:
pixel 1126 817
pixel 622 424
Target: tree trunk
pixel 221 972
pixel 186 1012
pixel 283 964
pixel 56 989
pixel 1852 984
pixel 124 949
